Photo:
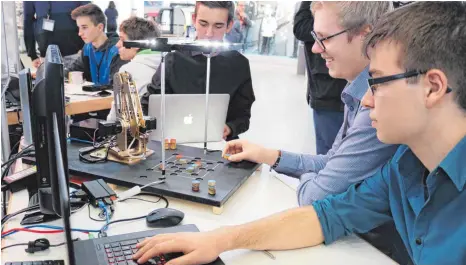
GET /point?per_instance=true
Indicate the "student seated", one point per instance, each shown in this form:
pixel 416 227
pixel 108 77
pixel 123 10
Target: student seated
pixel 417 98
pixel 142 62
pixel 99 58
pixel 230 73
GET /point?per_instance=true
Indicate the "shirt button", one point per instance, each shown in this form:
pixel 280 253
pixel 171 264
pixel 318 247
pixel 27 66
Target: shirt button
pixel 351 108
pixel 418 241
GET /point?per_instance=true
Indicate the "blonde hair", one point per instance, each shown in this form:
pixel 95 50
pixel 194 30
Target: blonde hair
pixel 356 15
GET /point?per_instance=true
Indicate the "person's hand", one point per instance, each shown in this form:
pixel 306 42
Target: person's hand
pixel 198 248
pixel 226 131
pixel 36 63
pixel 240 150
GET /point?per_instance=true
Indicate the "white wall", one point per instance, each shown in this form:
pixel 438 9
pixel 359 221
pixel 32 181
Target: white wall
pixel 125 8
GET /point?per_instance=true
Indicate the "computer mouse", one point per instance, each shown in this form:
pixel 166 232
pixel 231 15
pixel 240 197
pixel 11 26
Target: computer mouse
pixel 164 217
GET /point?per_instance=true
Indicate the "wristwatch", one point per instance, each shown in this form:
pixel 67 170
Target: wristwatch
pixel 278 160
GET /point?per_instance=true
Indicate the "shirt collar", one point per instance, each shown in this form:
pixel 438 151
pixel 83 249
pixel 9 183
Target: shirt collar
pixel 451 164
pixel 358 87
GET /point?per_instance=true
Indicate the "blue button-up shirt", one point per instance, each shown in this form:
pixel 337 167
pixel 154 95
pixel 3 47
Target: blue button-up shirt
pixel 356 153
pixel 431 220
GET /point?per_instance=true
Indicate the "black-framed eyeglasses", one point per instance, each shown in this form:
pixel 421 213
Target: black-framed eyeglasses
pixel 320 41
pixel 373 82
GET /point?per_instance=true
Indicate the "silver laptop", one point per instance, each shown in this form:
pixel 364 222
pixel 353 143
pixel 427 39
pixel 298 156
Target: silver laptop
pixel 185 117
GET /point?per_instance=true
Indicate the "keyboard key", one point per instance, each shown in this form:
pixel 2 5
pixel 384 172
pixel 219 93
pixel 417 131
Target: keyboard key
pixel 127 252
pixel 110 255
pixel 120 258
pixel 129 242
pixel 108 250
pixel 133 247
pixel 141 239
pixel 27 262
pixel 114 245
pixel 129 257
pixel 107 246
pixel 117 254
pixel 116 249
pixel 35 263
pixel 122 263
pixel 111 260
pixel 126 248
pixel 134 251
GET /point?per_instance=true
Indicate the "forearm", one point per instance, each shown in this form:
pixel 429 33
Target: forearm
pixel 295 165
pixel 292 229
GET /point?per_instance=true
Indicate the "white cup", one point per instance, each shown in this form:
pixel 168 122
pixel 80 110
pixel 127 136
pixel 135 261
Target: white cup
pixel 76 78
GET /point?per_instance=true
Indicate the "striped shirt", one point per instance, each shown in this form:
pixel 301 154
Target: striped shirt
pixel 355 155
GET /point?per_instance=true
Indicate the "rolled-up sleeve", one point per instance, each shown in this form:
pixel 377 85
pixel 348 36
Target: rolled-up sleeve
pixel 361 208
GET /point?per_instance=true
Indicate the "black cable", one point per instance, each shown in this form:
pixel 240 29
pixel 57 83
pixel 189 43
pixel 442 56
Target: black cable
pixel 102 230
pixel 92 218
pixel 40 244
pixel 9 216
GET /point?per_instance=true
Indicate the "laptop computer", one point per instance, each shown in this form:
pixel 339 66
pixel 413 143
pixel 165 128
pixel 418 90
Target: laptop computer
pixel 185 117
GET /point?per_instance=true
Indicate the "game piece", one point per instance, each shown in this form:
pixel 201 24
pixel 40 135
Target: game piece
pixel 195 185
pixel 167 142
pixel 173 144
pixel 211 184
pixel 190 169
pixel 226 156
pixel 178 157
pixel 183 161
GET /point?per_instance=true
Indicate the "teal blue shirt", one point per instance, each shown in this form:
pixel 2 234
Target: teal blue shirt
pixel 431 218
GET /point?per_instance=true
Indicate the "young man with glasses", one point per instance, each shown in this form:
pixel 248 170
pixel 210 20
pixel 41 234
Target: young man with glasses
pixel 422 188
pixel 323 91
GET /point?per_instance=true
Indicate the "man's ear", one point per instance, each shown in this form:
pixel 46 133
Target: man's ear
pixel 101 26
pixel 436 85
pixel 230 26
pixel 193 18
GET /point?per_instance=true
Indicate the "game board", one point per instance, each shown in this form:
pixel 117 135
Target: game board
pixel 179 180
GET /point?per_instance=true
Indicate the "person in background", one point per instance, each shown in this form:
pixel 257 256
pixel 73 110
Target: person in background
pixel 323 91
pixel 417 99
pixel 112 14
pixel 143 62
pixel 99 58
pixel 268 29
pixel 230 74
pixel 63 32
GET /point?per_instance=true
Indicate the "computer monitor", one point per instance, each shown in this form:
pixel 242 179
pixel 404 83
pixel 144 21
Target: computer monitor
pixel 48 130
pixel 25 90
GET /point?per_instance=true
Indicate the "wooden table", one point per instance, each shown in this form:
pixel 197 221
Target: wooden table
pixel 79 103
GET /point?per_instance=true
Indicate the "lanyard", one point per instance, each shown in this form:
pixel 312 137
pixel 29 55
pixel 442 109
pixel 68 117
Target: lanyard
pixel 99 64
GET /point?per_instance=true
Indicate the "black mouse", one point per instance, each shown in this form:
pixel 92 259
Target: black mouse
pixel 164 217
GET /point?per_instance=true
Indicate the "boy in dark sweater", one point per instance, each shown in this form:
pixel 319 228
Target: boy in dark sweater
pixel 230 73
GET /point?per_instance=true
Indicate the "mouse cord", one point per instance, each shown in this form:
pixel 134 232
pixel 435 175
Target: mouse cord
pixel 104 228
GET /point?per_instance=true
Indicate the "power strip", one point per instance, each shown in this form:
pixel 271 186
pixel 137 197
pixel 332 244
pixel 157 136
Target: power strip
pixel 18 180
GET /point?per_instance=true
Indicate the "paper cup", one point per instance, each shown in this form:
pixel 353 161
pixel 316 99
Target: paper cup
pixel 75 78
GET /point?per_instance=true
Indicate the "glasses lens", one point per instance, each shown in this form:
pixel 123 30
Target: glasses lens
pixel 321 45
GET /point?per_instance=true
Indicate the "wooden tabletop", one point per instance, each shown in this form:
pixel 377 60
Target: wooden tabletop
pixel 79 103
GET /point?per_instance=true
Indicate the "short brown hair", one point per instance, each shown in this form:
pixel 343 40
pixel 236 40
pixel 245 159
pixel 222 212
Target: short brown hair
pixel 92 11
pixel 228 5
pixel 432 35
pixel 139 28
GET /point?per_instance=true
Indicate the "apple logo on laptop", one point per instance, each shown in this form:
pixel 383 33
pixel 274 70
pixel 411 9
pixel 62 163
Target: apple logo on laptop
pixel 188 119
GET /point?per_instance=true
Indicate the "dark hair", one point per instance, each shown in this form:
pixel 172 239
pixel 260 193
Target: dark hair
pixel 111 4
pixel 139 28
pixel 90 10
pixel 219 4
pixel 432 35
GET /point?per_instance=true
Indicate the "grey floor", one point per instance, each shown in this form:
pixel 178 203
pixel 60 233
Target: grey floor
pixel 280 116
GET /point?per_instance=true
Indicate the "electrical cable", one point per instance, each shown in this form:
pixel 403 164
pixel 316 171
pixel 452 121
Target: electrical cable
pixel 37 245
pixel 139 199
pixel 102 232
pixel 92 218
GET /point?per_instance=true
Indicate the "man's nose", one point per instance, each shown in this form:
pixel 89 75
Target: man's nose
pixel 316 48
pixel 368 99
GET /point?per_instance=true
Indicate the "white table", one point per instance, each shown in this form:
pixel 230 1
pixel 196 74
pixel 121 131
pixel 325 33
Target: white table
pixel 260 195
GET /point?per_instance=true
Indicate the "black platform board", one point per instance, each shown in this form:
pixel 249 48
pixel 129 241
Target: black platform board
pixel 228 175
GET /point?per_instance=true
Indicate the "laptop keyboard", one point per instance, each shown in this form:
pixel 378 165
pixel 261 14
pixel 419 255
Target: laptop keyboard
pixel 121 253
pixel 43 262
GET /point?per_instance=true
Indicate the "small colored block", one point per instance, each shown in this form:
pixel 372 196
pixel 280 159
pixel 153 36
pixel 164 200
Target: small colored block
pixel 226 156
pixel 178 157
